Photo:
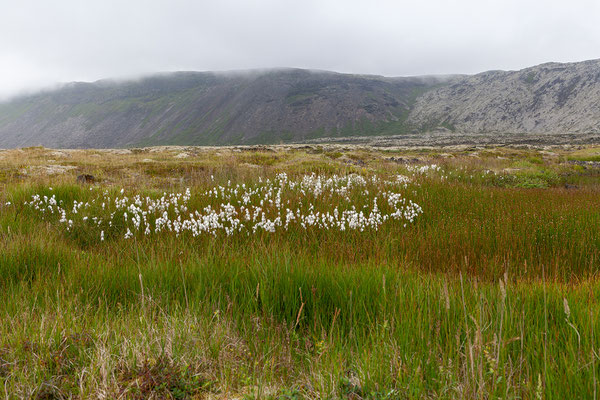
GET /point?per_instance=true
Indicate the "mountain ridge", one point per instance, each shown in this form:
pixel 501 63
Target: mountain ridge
pixel 294 105
pixel 547 98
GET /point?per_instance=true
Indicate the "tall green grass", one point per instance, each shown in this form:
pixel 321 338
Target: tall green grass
pixel 491 293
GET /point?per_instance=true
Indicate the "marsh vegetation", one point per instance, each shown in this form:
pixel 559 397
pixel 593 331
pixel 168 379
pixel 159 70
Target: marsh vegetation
pixel 288 273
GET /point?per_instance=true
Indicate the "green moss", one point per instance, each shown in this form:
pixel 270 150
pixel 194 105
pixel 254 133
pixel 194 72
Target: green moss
pixel 333 154
pixel 258 158
pixel 530 78
pixel 591 157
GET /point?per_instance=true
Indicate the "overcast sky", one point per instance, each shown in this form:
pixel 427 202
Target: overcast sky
pixel 45 42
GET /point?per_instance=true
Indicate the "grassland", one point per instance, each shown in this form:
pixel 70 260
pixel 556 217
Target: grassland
pixel 491 292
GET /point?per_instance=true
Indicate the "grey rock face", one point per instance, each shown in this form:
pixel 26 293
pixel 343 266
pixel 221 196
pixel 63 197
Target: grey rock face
pixel 549 98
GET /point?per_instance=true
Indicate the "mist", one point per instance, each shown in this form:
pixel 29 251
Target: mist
pixel 45 43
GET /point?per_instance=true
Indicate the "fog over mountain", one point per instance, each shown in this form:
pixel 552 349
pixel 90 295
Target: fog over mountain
pixel 69 40
pixel 293 105
pixel 263 106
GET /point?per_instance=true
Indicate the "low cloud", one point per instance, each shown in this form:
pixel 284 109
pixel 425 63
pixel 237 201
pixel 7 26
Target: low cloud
pixel 67 40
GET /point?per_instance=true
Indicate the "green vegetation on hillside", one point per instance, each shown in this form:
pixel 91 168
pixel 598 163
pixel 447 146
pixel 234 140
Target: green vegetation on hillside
pixel 211 109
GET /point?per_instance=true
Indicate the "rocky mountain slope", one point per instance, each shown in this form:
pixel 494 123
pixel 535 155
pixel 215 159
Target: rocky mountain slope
pixel 548 98
pixel 211 108
pixel 292 105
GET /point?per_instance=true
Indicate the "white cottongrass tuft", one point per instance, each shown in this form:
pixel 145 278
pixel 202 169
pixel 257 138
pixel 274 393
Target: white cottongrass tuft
pixel 316 202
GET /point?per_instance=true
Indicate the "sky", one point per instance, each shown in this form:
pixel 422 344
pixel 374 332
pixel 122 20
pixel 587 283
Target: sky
pixel 43 42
